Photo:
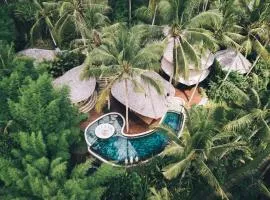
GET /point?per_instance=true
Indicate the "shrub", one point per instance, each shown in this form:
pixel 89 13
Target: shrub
pixel 224 92
pixel 65 61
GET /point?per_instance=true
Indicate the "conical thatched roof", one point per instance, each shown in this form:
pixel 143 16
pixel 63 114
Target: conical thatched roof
pixel 148 102
pixel 206 61
pixel 194 75
pixel 79 89
pixel 232 60
pixel 39 54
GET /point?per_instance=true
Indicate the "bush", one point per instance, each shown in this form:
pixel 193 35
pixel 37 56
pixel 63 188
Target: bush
pixel 128 186
pixel 65 61
pixel 223 92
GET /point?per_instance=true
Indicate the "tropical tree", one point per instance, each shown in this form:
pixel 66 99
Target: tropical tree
pixel 41 108
pixel 255 26
pixel 87 16
pixel 148 13
pixel 44 13
pixel 224 25
pixel 187 36
pixel 14 73
pixel 33 171
pixel 256 29
pixel 124 55
pixel 255 111
pixel 201 145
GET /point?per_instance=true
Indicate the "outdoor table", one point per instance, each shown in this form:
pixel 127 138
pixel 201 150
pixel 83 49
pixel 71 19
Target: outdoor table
pixel 104 131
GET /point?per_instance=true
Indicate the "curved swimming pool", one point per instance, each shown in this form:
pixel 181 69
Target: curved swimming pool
pixel 125 149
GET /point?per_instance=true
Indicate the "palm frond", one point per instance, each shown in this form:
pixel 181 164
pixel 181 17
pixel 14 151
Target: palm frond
pixel 173 150
pixel 205 172
pixel 174 170
pixel 156 83
pixel 210 18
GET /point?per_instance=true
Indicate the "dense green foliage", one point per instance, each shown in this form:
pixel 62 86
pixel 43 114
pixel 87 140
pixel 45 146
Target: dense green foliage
pixel 224 151
pixel 64 61
pixel 8 30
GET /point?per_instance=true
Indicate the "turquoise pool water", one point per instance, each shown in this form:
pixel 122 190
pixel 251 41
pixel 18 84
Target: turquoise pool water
pixel 121 149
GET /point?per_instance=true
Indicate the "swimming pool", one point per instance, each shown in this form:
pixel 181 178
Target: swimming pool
pixel 128 150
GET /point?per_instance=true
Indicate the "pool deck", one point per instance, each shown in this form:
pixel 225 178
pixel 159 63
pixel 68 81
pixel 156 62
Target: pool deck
pixel 135 123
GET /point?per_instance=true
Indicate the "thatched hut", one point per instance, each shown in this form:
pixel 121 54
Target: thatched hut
pixel 148 103
pixel 232 60
pixel 195 75
pixel 39 55
pixel 82 92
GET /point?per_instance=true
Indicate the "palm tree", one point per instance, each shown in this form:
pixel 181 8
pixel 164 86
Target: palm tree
pixel 255 110
pixel 44 13
pixel 224 26
pixel 124 55
pixel 86 15
pixel 186 34
pixel 200 145
pixel 149 13
pixel 255 26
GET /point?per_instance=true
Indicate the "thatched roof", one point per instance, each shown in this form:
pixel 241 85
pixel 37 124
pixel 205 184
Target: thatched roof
pixel 232 60
pixel 79 89
pixel 39 54
pixel 207 58
pixel 194 75
pixel 148 102
pixel 168 53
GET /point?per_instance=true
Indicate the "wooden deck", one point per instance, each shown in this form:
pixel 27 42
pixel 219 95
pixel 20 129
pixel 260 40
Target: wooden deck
pixel 135 123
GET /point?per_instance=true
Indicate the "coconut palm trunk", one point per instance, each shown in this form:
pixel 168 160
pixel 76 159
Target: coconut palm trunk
pixel 257 59
pixel 129 11
pixel 197 84
pixel 154 17
pixel 50 28
pixel 205 5
pixel 126 100
pixel 253 65
pixel 174 68
pixel 193 92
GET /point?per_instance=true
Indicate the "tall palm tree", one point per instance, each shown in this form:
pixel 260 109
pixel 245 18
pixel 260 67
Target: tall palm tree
pixel 255 26
pixel 224 26
pixel 124 55
pixel 186 34
pixel 255 110
pixel 200 145
pixel 86 15
pixel 149 13
pixel 45 11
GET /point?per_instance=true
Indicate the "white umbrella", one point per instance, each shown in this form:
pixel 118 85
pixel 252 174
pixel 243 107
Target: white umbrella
pixel 80 90
pixel 231 60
